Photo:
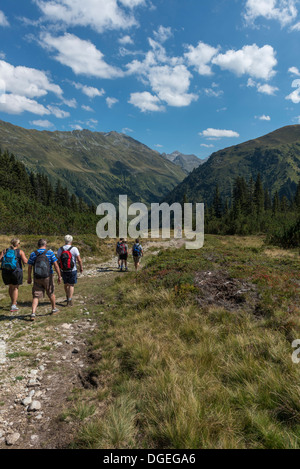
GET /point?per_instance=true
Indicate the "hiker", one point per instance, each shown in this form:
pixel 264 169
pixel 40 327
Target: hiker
pixel 118 251
pixel 137 253
pixel 68 255
pixel 12 261
pixel 122 251
pixel 43 260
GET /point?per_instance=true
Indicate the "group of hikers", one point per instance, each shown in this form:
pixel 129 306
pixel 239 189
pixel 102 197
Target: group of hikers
pixel 40 269
pixel 122 253
pixel 40 263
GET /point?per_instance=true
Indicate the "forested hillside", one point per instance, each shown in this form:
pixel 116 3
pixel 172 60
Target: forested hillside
pixel 30 204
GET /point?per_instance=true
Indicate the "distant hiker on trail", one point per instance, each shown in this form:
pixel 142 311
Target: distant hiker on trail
pixel 42 261
pixel 12 260
pixel 67 257
pixel 122 252
pixel 118 252
pixel 137 253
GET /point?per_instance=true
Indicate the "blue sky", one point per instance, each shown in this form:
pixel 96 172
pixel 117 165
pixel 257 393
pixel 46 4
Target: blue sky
pixel 194 76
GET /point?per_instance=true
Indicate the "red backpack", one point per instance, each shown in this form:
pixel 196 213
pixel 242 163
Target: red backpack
pixel 66 262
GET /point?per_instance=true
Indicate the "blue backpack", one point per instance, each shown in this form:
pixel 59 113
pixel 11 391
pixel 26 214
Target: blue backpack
pixel 137 250
pixel 9 261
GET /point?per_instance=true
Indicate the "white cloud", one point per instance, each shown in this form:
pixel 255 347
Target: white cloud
pixel 89 91
pixel 3 19
pixel 294 71
pixel 80 55
pixel 42 123
pixel 132 3
pixel 76 127
pixel 171 84
pixel 16 104
pixel 250 60
pixel 200 57
pixel 126 40
pixel 218 133
pixel 59 113
pixel 262 88
pixel 111 101
pixel 25 81
pixel 263 118
pixel 87 108
pixel 205 145
pixel 214 91
pixel 267 89
pixel 126 130
pixel 162 34
pixel 100 15
pixel 146 102
pixel 295 95
pixel 284 11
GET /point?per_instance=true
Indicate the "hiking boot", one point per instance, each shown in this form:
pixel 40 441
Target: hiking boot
pixel 55 311
pixel 14 308
pixel 70 303
pixel 32 317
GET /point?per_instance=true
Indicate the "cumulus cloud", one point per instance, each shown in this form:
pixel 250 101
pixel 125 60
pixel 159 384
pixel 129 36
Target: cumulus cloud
pixel 200 57
pixel 125 40
pixel 146 102
pixel 28 82
pixel 168 78
pixel 59 113
pixel 295 95
pixel 218 133
pixel 284 11
pixel 45 124
pixel 294 71
pixel 89 91
pixel 16 104
pixel 81 56
pixel 100 15
pixel 257 62
pixel 3 19
pixel 162 34
pixel 263 118
pixel 111 101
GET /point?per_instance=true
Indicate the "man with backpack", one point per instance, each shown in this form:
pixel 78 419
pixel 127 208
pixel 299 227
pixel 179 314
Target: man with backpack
pixel 122 251
pixel 68 255
pixel 137 254
pixel 12 260
pixel 42 262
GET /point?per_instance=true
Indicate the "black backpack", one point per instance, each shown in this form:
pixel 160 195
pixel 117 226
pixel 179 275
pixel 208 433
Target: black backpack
pixel 42 265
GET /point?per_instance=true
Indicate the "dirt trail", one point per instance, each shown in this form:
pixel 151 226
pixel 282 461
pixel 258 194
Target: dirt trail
pixel 42 362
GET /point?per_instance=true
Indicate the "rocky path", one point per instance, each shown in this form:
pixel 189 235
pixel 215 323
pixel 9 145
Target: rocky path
pixel 42 362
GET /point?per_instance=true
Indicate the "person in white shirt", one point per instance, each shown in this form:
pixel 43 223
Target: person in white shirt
pixel 68 256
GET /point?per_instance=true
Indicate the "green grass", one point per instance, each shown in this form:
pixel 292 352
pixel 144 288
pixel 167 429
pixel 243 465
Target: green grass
pixel 174 375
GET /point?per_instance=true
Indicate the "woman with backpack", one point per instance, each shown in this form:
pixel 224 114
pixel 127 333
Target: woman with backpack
pixel 12 261
pixel 137 253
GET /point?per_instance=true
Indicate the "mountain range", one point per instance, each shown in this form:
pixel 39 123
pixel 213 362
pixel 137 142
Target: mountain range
pixel 275 156
pixel 95 166
pixel 186 162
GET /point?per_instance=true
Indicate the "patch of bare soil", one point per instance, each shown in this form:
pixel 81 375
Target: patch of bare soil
pixel 217 288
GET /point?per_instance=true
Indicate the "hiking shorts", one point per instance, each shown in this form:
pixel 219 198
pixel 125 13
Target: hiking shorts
pixel 70 278
pixel 137 259
pixel 11 277
pixel 123 257
pixel 42 286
